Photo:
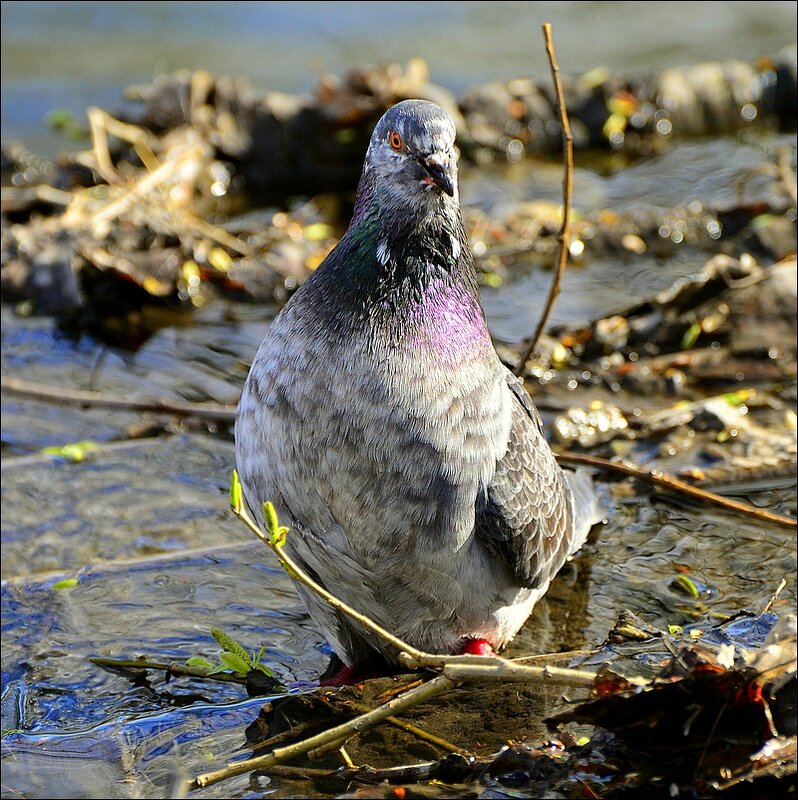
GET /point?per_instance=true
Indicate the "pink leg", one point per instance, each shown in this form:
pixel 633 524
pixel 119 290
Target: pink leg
pixel 360 671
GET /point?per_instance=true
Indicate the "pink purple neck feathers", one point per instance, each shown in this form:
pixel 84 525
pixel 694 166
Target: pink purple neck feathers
pixel 451 324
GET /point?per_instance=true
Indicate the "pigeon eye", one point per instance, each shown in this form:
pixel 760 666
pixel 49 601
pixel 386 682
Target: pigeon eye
pixel 395 141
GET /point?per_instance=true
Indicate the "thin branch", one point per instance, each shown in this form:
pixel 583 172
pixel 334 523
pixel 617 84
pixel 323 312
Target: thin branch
pixel 404 773
pixel 13 195
pixel 39 391
pixel 410 698
pixel 710 737
pixel 296 572
pixel 100 125
pixel 563 655
pixel 142 187
pixel 180 670
pixel 567 193
pixel 500 670
pixel 143 142
pixel 408 727
pixel 347 759
pixel 292 733
pixel 330 747
pixel 215 232
pixel 88 452
pixel 506 671
pixel 310 773
pixel 661 479
pixel 775 596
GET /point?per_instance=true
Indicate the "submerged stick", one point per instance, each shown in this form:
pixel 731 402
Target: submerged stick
pixel 656 478
pixel 357 725
pixel 567 193
pixel 408 727
pixel 179 670
pixel 39 391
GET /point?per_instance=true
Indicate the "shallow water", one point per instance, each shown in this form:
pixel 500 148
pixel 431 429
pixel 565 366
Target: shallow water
pixel 144 526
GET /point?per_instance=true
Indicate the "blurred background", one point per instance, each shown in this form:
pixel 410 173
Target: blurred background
pixel 70 55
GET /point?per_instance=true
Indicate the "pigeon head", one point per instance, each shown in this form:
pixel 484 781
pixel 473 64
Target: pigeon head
pixel 406 238
pixel 411 160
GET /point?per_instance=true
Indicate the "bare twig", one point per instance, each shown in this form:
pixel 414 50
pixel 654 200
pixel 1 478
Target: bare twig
pixel 567 192
pixel 87 451
pixel 563 655
pixel 141 188
pixel 661 479
pixel 710 737
pixel 101 124
pixel 292 733
pixel 330 747
pixel 404 773
pixel 410 698
pixel 350 764
pixel 14 195
pixel 500 669
pixel 64 396
pixel 775 596
pixel 310 773
pixel 218 234
pixel 143 142
pixel 410 773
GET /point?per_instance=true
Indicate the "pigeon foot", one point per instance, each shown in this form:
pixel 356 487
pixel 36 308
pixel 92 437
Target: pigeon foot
pixel 477 647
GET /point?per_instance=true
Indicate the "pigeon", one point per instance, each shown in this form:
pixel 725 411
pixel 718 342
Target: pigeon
pixel 409 463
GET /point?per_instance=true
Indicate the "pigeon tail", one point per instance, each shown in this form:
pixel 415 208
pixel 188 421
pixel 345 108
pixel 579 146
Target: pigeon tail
pixel 587 512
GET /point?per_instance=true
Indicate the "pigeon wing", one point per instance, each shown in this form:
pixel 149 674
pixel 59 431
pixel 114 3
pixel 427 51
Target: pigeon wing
pixel 525 515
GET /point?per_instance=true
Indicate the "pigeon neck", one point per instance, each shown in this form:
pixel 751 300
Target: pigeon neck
pixel 393 270
pixel 393 278
pixel 409 245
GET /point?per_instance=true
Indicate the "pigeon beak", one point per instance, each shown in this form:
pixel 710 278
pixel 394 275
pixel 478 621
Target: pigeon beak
pixel 438 167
